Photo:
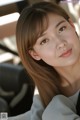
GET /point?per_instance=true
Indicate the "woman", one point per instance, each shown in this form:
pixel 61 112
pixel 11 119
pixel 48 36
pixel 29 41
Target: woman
pixel 49 48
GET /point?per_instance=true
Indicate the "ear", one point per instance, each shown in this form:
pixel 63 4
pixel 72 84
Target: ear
pixel 34 55
pixel 71 23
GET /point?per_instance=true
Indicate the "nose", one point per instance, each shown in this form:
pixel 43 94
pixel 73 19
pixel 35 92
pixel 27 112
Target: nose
pixel 61 44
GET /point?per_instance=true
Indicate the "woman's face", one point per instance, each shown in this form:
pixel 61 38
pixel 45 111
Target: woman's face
pixel 59 45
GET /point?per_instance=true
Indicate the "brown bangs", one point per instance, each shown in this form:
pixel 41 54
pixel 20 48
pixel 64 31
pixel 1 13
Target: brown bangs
pixel 39 23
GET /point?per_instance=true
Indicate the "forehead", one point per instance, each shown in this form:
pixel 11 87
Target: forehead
pixel 54 18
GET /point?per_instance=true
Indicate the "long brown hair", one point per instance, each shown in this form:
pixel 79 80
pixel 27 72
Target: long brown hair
pixel 30 25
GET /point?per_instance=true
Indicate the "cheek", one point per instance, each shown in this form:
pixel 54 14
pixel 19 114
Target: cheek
pixel 75 40
pixel 48 56
pixel 72 37
pixel 48 53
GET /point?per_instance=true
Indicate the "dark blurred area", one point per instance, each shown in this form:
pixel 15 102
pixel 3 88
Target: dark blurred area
pixel 16 87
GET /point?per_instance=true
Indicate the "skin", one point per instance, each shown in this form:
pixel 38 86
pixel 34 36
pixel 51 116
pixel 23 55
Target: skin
pixel 59 46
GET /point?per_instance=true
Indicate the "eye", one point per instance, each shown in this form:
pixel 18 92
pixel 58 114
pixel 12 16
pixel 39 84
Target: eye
pixel 44 41
pixel 62 29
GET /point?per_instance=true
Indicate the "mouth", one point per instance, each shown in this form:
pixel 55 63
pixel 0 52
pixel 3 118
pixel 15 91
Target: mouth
pixel 67 53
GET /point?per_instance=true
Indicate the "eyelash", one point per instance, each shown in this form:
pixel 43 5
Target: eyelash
pixel 43 41
pixel 62 28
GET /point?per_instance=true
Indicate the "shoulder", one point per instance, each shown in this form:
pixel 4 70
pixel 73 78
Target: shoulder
pixel 37 108
pixel 61 107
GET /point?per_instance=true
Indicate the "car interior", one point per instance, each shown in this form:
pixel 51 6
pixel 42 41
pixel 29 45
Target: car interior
pixel 16 86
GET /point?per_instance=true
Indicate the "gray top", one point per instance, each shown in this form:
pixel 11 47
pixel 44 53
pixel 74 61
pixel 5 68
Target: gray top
pixel 60 108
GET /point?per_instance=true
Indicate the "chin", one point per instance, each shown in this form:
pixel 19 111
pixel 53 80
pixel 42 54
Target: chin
pixel 72 62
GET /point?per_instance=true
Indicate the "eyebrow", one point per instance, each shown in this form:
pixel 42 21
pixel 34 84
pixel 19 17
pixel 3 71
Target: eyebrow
pixel 60 23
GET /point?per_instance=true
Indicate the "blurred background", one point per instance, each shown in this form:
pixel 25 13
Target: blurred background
pixel 16 86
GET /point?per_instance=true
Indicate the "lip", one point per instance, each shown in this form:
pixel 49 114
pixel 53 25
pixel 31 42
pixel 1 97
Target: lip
pixel 67 53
